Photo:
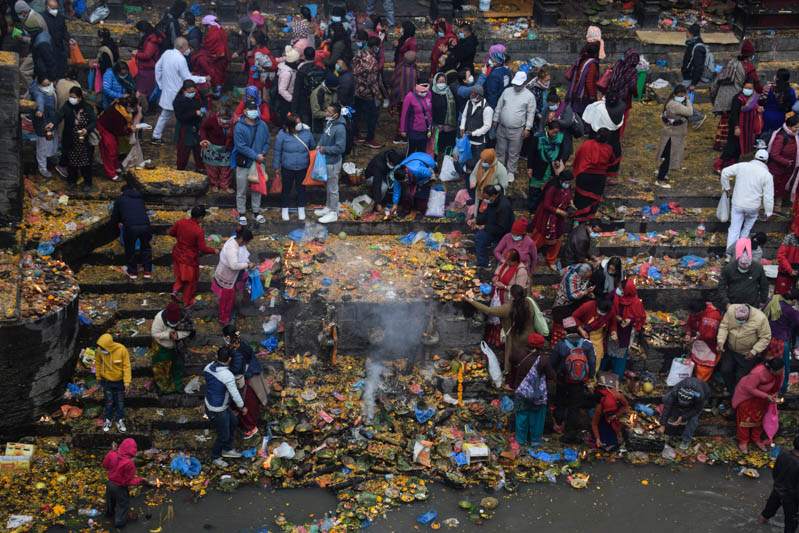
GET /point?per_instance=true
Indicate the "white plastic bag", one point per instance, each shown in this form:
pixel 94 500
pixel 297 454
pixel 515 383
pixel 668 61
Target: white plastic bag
pixel 493 365
pixel 284 450
pixel 193 386
pixel 723 209
pixel 681 368
pixel 448 172
pixel 436 204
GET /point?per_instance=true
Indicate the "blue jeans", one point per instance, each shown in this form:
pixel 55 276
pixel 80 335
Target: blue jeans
pixel 225 424
pixel 114 398
pixel 484 244
pixel 388 5
pixel 370 112
pixel 530 425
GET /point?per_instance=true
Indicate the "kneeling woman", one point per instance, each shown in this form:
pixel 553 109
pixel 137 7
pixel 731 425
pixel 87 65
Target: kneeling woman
pixel 611 406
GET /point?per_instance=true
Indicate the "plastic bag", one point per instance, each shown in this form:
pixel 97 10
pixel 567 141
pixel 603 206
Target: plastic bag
pixel 193 386
pixel 723 209
pixel 448 172
pixel 493 364
pixel 436 204
pixel 361 205
pixel 135 157
pixel 75 55
pixel 463 148
pixel 188 466
pixel 320 168
pixel 771 422
pixel 45 248
pixel 681 368
pixel 256 286
pixel 260 186
pixel 97 13
pixel 692 261
pixel 309 180
pixel 284 450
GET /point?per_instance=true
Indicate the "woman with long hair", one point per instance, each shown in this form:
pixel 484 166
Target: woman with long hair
pixel 591 163
pixel 549 221
pixel 406 42
pixel 676 112
pixel 108 53
pixel 607 278
pixel 117 83
pixel 340 46
pixel 147 54
pixel 293 146
pixel 780 98
pixel 230 275
pixel 753 395
pixel 624 82
pixel 582 77
pixel 445 113
pixel 746 122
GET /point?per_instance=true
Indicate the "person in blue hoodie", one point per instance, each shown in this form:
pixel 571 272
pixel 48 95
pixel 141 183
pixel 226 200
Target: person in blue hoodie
pixel 220 388
pixel 251 140
pixel 412 179
pixel 498 80
pixel 332 145
pixel 117 83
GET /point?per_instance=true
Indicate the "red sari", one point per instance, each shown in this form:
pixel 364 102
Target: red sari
pixel 186 257
pixel 504 275
pixel 215 42
pixel 548 226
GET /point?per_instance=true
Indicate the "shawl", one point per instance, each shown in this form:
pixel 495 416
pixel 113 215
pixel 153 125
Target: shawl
pixel 548 150
pixel 633 308
pixel 625 73
pixel 773 309
pixel 451 118
pixel 596 115
pixel 486 176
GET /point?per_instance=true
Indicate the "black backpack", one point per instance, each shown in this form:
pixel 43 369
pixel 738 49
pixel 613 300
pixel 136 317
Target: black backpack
pixel 350 136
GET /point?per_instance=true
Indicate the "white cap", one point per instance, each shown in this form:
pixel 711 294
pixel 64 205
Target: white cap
pixel 519 79
pixel 761 155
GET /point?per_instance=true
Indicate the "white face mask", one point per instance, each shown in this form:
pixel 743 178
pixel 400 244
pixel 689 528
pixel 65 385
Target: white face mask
pixel 47 90
pixel 516 238
pixel 187 52
pixel 73 100
pixel 252 114
pixel 441 86
pixel 619 292
pixel 470 80
pixel 53 12
pixel 298 127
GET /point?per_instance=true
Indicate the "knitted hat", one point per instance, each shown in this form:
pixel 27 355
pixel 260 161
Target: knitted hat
pixel 476 89
pixel 519 227
pixel 498 58
pixel 331 80
pixel 172 314
pixel 747 48
pixel 292 56
pixel 21 7
pixel 536 341
pixel 685 396
pixel 742 312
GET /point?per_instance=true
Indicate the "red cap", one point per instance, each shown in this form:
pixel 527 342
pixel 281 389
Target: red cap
pixel 519 227
pixel 536 341
pixel 172 314
pixel 747 48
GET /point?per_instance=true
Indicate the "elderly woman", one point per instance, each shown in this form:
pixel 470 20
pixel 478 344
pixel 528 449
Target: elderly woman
pixel 594 35
pixel 751 400
pixel 402 82
pixel 518 240
pixel 488 171
pixel 572 291
pixel 230 273
pixel 215 41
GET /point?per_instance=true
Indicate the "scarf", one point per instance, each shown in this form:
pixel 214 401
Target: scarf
pixel 594 34
pixel 124 112
pixel 548 150
pixel 610 280
pixel 629 306
pixel 451 118
pixel 747 120
pixel 211 20
pixel 791 185
pixel 253 93
pixel 625 74
pixel 773 310
pixel 505 273
pixel 485 176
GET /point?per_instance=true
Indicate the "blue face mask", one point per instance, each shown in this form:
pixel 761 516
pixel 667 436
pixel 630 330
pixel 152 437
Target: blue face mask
pixel 565 185
pixel 490 62
pixel 252 114
pixel 485 165
pixel 441 34
pixel 474 100
pixel 742 271
pixel 517 238
pixel 740 321
pixel 360 45
pixel 748 92
pixel 619 292
pixel 461 35
pixel 329 119
pixel 190 95
pixel 554 107
pixel 679 99
pixel 335 19
pixel 338 68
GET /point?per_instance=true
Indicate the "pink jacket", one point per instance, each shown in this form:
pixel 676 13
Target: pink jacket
pixel 413 115
pixel 528 253
pixel 285 81
pixel 121 470
pixel 759 383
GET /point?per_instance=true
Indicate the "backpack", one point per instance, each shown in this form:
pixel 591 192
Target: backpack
pixel 710 63
pixel 533 387
pixel 576 363
pixel 350 135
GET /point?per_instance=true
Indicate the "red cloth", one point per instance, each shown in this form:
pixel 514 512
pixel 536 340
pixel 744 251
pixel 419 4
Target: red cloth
pixel 190 242
pixel 588 317
pixel 630 305
pixel 786 255
pixel 546 222
pixel 121 470
pixel 591 78
pixel 781 162
pixel 751 73
pixel 705 325
pixel 149 52
pixel 445 41
pixel 593 158
pixel 212 131
pixel 109 151
pixel 381 55
pixel 113 122
pixel 215 42
pixel 759 383
pixel 253 405
pixel 749 417
pixel 253 78
pixel 505 273
pixel 219 176
pixel 186 278
pixel 201 63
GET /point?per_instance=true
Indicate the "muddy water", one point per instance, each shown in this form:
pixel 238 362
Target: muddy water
pixel 701 499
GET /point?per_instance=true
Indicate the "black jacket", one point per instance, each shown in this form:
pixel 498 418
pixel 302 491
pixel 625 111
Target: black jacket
pixel 577 246
pixel 378 167
pixel 59 38
pixel 309 76
pixel 43 57
pixel 67 113
pixel 346 88
pixel 671 407
pixel 461 55
pixel 186 110
pixel 736 287
pixel 693 62
pixel 498 216
pixel 786 475
pixel 130 210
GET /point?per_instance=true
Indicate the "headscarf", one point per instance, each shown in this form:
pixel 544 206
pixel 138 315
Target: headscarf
pixel 451 116
pixel 590 50
pixel 625 73
pixel 593 35
pixel 773 309
pixel 485 176
pixel 498 58
pixel 499 47
pixel 610 279
pixel 534 340
pixel 126 81
pixel 211 20
pixel 629 305
pixel 252 93
pixel 743 246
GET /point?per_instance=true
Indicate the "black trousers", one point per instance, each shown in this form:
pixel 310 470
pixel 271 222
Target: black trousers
pixel 117 503
pixel 664 166
pixel 789 507
pixel 571 397
pixel 143 234
pixel 733 367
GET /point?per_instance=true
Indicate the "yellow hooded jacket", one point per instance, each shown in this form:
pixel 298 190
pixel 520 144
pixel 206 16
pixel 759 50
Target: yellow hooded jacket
pixel 114 365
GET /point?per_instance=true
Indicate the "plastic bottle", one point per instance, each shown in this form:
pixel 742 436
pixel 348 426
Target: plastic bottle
pixel 700 231
pixel 88 512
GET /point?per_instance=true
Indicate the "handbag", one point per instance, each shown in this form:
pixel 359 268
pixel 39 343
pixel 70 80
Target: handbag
pixel 723 209
pixel 241 382
pixel 93 138
pixel 539 322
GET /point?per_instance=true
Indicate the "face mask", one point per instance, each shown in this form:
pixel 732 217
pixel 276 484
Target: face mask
pixel 742 271
pixel 441 34
pixel 422 94
pixel 488 202
pixel 554 107
pixel 516 238
pixel 474 100
pixel 748 92
pixel 518 89
pixel 187 52
pixel 490 62
pixel 335 19
pixel 329 119
pixel 73 100
pixel 53 12
pixel 47 90
pixel 565 185
pixel 461 35
pixel 679 99
pixel 360 45
pixel 740 321
pixel 224 122
pixel 485 165
pixel 252 114
pixel 441 86
pixel 593 235
pixel 190 94
pixel 619 292
pixel 390 166
pixel 298 127
pixel 600 313
pixel 338 68
pixel 470 80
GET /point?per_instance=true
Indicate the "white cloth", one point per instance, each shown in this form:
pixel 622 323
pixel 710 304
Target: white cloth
pixel 160 331
pixel 515 109
pixel 488 115
pixel 596 115
pixel 170 73
pixel 741 222
pixel 231 262
pixel 753 184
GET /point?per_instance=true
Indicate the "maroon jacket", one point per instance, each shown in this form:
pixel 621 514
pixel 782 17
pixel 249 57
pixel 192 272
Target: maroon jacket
pixel 121 470
pixel 213 132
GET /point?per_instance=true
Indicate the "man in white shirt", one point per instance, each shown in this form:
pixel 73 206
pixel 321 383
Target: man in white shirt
pixel 513 120
pixel 754 185
pixel 171 70
pixel 476 120
pixel 220 387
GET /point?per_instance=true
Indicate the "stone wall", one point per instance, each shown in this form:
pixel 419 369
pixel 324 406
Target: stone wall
pixel 10 139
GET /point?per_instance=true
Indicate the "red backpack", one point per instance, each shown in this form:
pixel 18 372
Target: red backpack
pixel 576 363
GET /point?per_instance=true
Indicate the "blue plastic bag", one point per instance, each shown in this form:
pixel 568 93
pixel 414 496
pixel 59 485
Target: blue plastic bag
pixel 45 248
pixel 458 458
pixel 692 261
pixel 654 273
pixel 188 466
pixel 296 235
pixel 407 240
pixel 570 454
pixel 463 148
pixel 270 344
pixel 423 415
pixel 506 404
pixel 644 409
pixel 319 168
pixel 256 285
pixel 428 517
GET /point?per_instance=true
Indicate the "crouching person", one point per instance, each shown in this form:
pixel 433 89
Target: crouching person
pixel 220 387
pixel 682 405
pixel 121 475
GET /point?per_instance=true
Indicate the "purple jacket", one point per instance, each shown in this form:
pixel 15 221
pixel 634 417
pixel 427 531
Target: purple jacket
pixel 781 329
pixel 413 115
pixel 528 253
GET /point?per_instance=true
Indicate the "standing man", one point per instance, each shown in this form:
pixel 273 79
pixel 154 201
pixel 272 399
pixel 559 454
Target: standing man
pixel 130 214
pixel 113 374
pixel 171 70
pixel 367 91
pixel 476 120
pixel 574 362
pixel 682 405
pixel 785 492
pixel 743 281
pixel 309 76
pixel 346 84
pixel 321 98
pixel 513 121
pixel 32 23
pixel 186 254
pixel 251 138
pixel 59 36
pixel 493 221
pixel 744 334
pixel 754 185
pixel 220 387
pixel 693 68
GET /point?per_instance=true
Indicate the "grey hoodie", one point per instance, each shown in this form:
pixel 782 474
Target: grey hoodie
pixel 334 140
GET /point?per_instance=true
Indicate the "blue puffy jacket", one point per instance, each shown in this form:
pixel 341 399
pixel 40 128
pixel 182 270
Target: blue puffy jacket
pixel 112 89
pixel 421 166
pixel 496 83
pixel 290 153
pixel 243 358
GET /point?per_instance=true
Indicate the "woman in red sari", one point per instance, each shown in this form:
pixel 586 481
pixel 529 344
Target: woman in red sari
pixel 591 163
pixel 215 41
pixel 186 254
pixel 746 122
pixel 550 218
pixel 509 273
pixel 753 395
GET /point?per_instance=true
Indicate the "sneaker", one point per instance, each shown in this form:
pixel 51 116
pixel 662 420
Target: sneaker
pixel 328 218
pixel 121 426
pixel 321 212
pixel 301 213
pixel 400 140
pixel 359 140
pixel 374 144
pixel 251 433
pixel 231 454
pixel 156 142
pixel 698 123
pixel 242 220
pixel 284 214
pixel 116 178
pixel 131 276
pixel 221 463
pixel 663 184
pixel 259 218
pixel 148 275
pixel 46 173
pixel 61 170
pixel 684 445
pixel 554 268
pixel 107 425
